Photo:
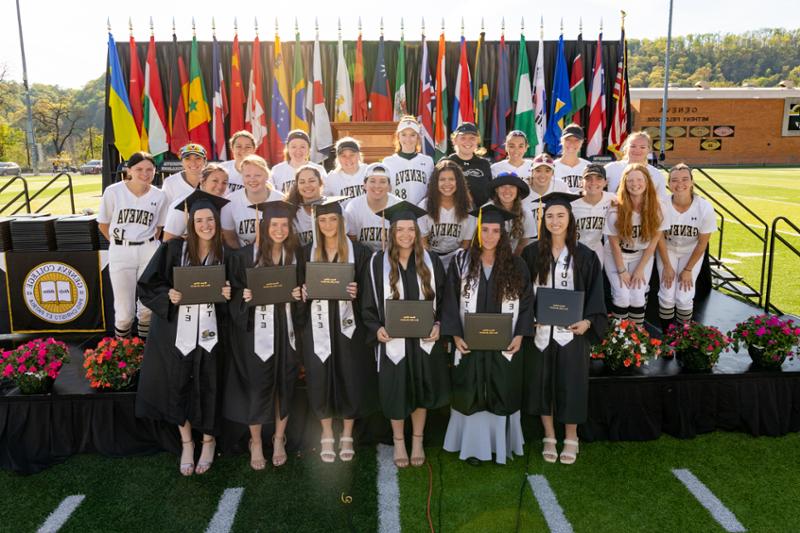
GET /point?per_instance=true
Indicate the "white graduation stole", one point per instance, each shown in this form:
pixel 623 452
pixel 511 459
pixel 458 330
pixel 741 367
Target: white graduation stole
pixel 320 318
pixel 564 279
pixel 396 348
pixel 197 324
pixel 264 325
pixel 468 301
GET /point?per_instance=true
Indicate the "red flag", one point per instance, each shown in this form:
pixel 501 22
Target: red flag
pixel 237 90
pixel 381 102
pixel 359 87
pixel 136 87
pixel 256 120
pixel 619 125
pixel 180 133
pixel 597 104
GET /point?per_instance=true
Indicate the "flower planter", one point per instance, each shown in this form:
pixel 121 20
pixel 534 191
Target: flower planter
pixel 764 360
pixel 694 361
pixel 33 385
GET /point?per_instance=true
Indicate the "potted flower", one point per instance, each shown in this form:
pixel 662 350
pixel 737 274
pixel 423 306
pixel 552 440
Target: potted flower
pixel 626 347
pixel 114 364
pixel 769 339
pixel 35 365
pixel 696 346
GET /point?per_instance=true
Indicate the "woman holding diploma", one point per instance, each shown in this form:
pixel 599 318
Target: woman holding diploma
pixel 182 358
pixel 264 367
pixel 487 385
pixel 340 370
pixel 557 369
pixel 412 372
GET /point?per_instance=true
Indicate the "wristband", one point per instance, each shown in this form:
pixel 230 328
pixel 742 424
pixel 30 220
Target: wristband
pixel 622 270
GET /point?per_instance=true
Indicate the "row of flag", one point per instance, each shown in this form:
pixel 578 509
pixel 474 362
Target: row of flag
pixel 142 120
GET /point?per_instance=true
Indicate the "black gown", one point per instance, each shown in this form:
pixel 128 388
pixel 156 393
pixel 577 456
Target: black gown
pixel 251 385
pixel 345 385
pixel 486 380
pixel 419 380
pixel 173 387
pixel 557 379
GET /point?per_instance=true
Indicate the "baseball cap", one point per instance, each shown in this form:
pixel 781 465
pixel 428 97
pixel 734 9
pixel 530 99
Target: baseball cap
pixel 572 130
pixel 595 168
pixel 543 159
pixel 408 123
pixel 377 169
pixel 467 128
pixel 193 149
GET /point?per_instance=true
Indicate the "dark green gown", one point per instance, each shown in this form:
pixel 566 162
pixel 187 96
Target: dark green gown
pixel 420 379
pixel 486 380
pixel 557 379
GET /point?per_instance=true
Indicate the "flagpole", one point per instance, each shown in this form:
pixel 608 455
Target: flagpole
pixel 663 129
pixel 32 156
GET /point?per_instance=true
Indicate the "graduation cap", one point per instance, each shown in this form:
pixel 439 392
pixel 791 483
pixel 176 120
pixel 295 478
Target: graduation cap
pixel 402 210
pixel 328 205
pixel 275 209
pixel 200 199
pixel 510 178
pixel 551 199
pixel 490 214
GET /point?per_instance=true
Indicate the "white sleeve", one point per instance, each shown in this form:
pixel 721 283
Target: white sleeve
pixel 610 227
pixel 174 222
pixel 468 227
pixel 665 217
pixel 163 210
pixel 529 225
pixel 425 225
pixel 351 220
pixel 226 218
pixel 106 207
pixel 708 223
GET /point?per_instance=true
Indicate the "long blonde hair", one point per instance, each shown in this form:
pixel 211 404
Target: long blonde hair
pixel 423 271
pixel 650 209
pixel 320 255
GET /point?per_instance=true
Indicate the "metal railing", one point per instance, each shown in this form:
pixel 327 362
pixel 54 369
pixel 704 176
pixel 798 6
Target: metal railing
pixel 67 188
pixel 23 193
pixel 769 306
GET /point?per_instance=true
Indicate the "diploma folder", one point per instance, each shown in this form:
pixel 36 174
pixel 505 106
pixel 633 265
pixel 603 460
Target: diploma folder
pixel 409 319
pixel 272 284
pixel 199 284
pixel 328 281
pixel 558 307
pixel 487 331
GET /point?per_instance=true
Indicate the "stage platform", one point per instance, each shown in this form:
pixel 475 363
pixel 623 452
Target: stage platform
pixel 40 430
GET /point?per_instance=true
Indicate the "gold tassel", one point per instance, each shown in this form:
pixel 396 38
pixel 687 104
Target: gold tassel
pixel 480 218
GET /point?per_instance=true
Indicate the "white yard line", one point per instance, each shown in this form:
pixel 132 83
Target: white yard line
pixel 62 513
pixel 548 503
pixel 388 491
pixel 222 521
pixel 707 499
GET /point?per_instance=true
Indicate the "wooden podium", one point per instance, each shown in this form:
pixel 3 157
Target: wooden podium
pixel 376 138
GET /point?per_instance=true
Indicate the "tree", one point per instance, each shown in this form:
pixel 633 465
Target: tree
pixel 56 117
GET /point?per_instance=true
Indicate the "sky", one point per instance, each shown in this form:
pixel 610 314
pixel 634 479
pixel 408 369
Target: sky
pixel 65 42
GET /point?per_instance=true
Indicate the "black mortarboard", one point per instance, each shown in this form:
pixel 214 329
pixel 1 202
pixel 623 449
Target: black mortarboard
pixel 328 205
pixel 199 199
pixel 491 214
pixel 559 198
pixel 510 178
pixel 275 209
pixel 402 211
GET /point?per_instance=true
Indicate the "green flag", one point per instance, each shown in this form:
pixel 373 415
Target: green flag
pixel 523 115
pixel 480 92
pixel 400 107
pixel 298 99
pixel 577 90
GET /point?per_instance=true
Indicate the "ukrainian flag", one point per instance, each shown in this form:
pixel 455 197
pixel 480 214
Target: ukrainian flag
pixel 126 136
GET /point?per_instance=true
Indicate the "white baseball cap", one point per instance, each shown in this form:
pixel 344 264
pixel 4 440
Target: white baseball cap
pixel 408 123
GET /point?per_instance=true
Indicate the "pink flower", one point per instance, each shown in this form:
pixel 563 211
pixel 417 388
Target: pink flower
pixel 773 321
pixel 745 333
pixel 710 348
pixel 797 331
pixel 42 352
pixel 760 332
pixel 21 369
pixel 758 321
pixel 52 373
pixel 122 364
pixel 8 370
pixel 32 369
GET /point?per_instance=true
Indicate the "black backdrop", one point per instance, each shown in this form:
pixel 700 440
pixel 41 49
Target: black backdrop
pixel 328 49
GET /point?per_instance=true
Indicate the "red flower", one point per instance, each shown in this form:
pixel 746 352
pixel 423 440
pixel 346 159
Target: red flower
pixel 627 362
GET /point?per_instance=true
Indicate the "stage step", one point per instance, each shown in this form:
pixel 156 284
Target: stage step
pixel 741 289
pixel 722 273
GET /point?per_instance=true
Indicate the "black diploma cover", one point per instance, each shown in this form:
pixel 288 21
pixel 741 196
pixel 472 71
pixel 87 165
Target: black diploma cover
pixel 409 319
pixel 199 284
pixel 328 281
pixel 558 307
pixel 487 331
pixel 272 284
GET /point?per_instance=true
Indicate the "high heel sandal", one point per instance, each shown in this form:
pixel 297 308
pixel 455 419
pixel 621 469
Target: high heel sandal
pixel 326 453
pixel 205 466
pixel 550 456
pixel 402 460
pixel 570 457
pixel 256 464
pixel 279 459
pixel 346 453
pixel 187 469
pixel 418 460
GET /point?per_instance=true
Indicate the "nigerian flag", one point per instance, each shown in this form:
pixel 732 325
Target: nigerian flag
pixel 523 116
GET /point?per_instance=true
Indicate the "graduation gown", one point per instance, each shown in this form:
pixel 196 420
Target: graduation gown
pixel 420 379
pixel 345 385
pixel 557 379
pixel 486 380
pixel 252 385
pixel 173 387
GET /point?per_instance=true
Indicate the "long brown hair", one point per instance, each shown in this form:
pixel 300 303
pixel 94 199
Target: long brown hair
pixel 650 209
pixel 509 283
pixel 462 199
pixel 290 245
pixel 423 271
pixel 544 260
pixel 293 197
pixel 320 255
pixel 193 241
pixel 518 223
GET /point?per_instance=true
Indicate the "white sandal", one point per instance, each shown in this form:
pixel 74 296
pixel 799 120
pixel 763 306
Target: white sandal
pixel 327 456
pixel 550 456
pixel 570 457
pixel 346 454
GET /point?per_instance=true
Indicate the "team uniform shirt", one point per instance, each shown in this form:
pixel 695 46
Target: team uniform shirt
pixel 176 187
pixel 531 203
pixel 636 245
pixel 523 171
pixel 303 226
pixel 685 228
pixel 282 175
pixel 340 183
pixel 175 223
pixel 410 176
pixel 237 215
pixel 590 221
pixel 614 176
pixel 235 181
pixel 571 176
pixel 445 237
pixel 364 223
pixel 130 217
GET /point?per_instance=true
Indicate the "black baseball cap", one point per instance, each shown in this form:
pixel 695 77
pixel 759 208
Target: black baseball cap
pixel 468 128
pixel 595 168
pixel 298 134
pixel 572 130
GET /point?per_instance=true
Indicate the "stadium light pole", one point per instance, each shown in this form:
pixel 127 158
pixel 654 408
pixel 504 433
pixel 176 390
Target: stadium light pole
pixel 663 131
pixel 31 141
